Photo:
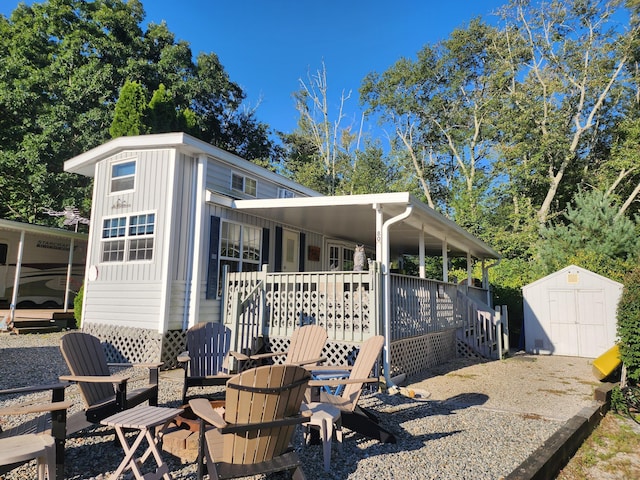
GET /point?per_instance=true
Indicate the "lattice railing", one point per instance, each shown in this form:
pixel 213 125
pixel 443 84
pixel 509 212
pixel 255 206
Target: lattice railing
pixel 483 329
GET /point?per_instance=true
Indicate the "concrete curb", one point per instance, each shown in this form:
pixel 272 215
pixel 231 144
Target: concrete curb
pixel 547 461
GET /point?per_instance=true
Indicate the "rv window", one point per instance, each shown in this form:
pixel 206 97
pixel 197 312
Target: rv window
pixel 244 184
pixel 123 176
pixel 3 253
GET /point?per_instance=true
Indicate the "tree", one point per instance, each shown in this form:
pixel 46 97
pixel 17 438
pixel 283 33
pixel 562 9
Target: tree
pixel 163 116
pixel 64 63
pixel 593 235
pixel 130 112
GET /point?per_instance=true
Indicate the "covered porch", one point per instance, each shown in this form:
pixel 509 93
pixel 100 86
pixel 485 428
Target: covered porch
pixel 424 321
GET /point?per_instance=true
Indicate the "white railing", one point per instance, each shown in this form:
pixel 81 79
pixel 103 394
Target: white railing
pixel 483 329
pixel 420 306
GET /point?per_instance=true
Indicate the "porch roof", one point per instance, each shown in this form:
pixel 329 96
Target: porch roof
pixel 353 218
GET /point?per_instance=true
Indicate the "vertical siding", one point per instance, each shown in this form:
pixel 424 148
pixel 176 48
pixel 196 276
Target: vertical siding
pixel 129 293
pixel 219 180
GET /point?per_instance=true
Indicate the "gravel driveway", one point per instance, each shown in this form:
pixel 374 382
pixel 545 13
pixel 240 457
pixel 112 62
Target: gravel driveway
pixel 480 421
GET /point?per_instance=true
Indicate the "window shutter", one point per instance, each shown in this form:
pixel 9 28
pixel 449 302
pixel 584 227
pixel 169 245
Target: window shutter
pixel 214 258
pixel 264 254
pixel 278 250
pixel 303 247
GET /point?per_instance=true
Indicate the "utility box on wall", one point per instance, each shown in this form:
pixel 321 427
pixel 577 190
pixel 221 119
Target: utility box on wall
pixel 571 312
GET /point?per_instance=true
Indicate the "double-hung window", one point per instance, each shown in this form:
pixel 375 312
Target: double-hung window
pixel 340 257
pixel 123 176
pixel 239 247
pixel 243 184
pixel 128 238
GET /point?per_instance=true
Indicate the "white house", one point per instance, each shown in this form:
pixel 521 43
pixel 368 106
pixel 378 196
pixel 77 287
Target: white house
pixel 571 312
pixel 170 212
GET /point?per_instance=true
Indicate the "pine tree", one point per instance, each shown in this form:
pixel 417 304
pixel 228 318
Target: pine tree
pixel 130 111
pixel 162 111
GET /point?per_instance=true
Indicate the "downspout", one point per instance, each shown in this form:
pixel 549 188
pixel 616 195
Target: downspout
pixel 387 295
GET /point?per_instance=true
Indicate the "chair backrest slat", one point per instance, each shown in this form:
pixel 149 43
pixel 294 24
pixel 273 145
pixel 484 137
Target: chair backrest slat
pixel 306 342
pixel 208 345
pixel 365 361
pixel 85 356
pixel 284 387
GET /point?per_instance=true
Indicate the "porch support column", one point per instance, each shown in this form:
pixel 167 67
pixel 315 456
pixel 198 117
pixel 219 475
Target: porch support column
pixel 387 295
pixel 422 272
pixel 445 262
pixel 469 269
pixel 379 221
pixel 16 280
pixel 67 285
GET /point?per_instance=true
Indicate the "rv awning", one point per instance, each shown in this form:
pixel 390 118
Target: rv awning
pixel 353 218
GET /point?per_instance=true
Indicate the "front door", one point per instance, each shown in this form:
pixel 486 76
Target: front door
pixel 290 251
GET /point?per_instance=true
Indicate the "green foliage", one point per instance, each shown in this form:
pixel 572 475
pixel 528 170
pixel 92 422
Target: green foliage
pixel 162 112
pixel 64 65
pixel 130 112
pixel 77 306
pixel 594 236
pixel 628 317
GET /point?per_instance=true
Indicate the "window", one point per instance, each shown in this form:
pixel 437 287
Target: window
pixel 340 257
pixel 239 247
pixel 133 235
pixel 123 176
pixel 247 185
pixel 285 193
pixel 4 248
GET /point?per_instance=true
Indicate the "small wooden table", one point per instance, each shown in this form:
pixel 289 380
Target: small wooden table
pixel 325 416
pixel 143 418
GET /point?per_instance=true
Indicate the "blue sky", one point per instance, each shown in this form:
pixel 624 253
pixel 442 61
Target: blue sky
pixel 266 46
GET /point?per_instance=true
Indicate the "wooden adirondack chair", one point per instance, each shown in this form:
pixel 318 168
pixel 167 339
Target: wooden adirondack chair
pixel 253 433
pixel 206 361
pixel 23 441
pixel 305 348
pixel 103 394
pixel 355 417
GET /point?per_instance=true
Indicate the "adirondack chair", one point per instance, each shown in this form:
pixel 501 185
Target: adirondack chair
pixel 39 436
pixel 103 394
pixel 305 347
pixel 354 417
pixel 252 435
pixel 206 361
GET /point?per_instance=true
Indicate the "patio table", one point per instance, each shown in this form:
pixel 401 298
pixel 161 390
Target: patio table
pixel 143 418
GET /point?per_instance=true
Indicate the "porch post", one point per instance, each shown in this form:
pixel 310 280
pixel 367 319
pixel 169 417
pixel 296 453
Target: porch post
pixel 421 253
pixel 469 270
pixel 445 262
pixel 379 222
pixel 16 279
pixel 67 284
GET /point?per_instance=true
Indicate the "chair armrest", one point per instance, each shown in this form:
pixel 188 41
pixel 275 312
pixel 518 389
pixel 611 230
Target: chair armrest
pixel 329 368
pixel 150 365
pixel 35 388
pixel 35 408
pixel 340 381
pixel 308 361
pixel 183 357
pixel 95 378
pixel 203 409
pixel 239 356
pixel 260 356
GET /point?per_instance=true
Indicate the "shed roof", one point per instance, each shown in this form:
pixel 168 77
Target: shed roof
pixel 567 270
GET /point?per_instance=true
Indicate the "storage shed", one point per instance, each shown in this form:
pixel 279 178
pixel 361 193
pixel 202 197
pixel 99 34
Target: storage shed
pixel 571 312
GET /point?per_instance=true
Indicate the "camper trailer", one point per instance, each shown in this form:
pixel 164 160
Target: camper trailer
pixel 46 264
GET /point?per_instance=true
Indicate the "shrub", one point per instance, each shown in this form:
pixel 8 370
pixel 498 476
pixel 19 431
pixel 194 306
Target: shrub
pixel 628 317
pixel 77 306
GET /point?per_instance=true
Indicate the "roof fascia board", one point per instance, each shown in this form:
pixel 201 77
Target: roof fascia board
pixel 41 229
pixel 85 163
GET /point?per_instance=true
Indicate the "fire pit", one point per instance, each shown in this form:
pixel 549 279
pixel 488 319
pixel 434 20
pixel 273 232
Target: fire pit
pixel 189 421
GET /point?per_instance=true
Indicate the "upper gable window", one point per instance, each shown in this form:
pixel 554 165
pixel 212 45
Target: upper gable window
pixel 123 176
pixel 247 185
pixel 285 193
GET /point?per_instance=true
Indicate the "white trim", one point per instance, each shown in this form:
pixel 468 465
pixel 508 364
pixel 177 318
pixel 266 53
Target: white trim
pixel 169 227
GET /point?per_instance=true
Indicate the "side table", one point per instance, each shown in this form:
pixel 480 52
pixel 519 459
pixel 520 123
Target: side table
pixel 143 418
pixel 325 416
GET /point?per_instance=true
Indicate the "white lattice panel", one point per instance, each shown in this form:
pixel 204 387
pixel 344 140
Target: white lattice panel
pixel 126 344
pixel 413 355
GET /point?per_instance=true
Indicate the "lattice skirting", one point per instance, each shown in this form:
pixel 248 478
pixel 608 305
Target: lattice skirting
pixel 412 356
pixel 138 345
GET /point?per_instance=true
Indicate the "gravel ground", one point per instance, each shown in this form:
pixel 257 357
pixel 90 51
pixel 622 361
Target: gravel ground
pixel 479 422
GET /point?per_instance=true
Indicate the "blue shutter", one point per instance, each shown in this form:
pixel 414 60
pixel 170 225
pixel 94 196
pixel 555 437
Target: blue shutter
pixel 278 251
pixel 214 258
pixel 264 253
pixel 303 240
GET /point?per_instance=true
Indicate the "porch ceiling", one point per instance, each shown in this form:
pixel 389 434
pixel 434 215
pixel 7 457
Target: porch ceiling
pixel 353 218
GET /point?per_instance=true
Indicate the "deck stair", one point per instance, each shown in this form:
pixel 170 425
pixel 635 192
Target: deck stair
pixel 43 323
